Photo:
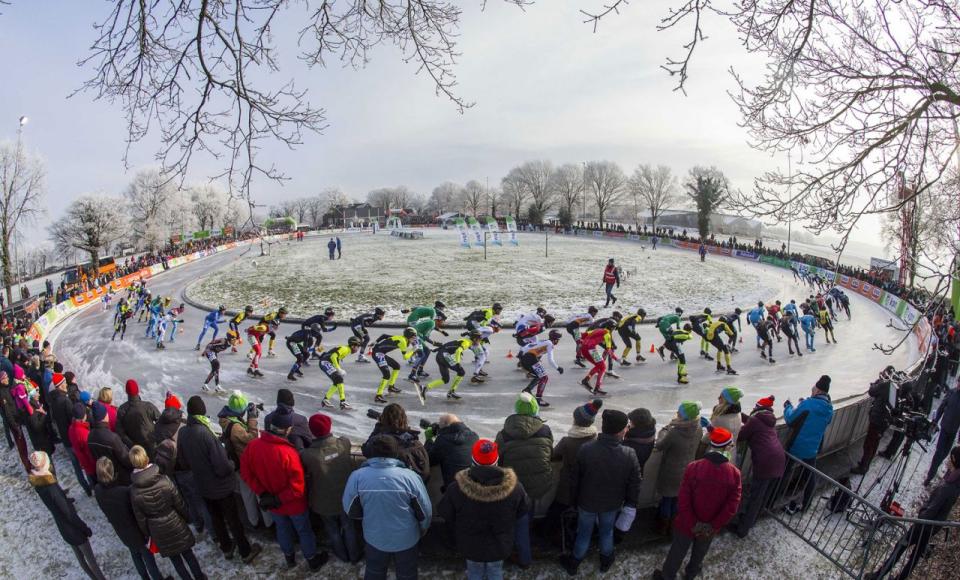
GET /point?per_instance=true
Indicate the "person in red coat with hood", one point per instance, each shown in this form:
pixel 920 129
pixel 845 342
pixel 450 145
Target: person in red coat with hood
pixel 709 497
pixel 271 466
pixel 78 433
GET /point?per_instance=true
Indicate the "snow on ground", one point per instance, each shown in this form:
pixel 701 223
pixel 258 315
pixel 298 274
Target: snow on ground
pixel 380 270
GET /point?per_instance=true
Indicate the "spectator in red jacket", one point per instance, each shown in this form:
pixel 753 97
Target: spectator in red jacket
pixel 709 497
pixel 78 433
pixel 271 466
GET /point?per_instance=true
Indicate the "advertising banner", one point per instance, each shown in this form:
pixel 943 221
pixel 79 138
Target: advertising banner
pixel 494 228
pixel 461 227
pixel 512 230
pixel 474 226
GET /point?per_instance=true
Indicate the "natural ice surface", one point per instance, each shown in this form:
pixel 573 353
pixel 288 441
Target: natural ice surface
pixel 393 273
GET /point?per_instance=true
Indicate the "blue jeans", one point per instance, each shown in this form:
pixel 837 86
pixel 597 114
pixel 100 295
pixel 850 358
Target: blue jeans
pixel 809 338
pixel 484 570
pixel 378 562
pixel 521 539
pixel 145 563
pixel 585 523
pixel 343 537
pixel 286 525
pixel 199 515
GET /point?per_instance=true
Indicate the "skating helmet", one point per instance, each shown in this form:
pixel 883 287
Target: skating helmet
pixel 641 313
pixel 707 311
pixel 353 342
pixel 678 310
pixel 541 311
pixel 497 308
pixel 548 320
pixel 439 305
pixel 737 311
pixel 760 304
pixel 409 333
pixel 221 308
pixel 609 324
pixel 328 313
pixel 687 327
pixel 555 336
pixel 378 312
pixel 592 310
pixel 616 316
pixel 315 329
pixel 248 310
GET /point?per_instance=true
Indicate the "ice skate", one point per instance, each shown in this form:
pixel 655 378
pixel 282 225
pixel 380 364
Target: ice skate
pixel 380 399
pixel 542 402
pixel 250 371
pixel 291 377
pixel 394 390
pixel 219 390
pixel 730 371
pixel 344 406
pixel 205 388
pixel 422 394
pixel 477 380
pixel 770 360
pixel 483 373
pixel 579 363
pixel 271 354
pixel 298 373
pixel 362 359
pixel 453 395
pixel 640 358
pixel 599 391
pixel 625 363
pixel 586 384
pixel 325 403
pixel 613 375
pixel 196 347
pixel 660 352
pixel 707 356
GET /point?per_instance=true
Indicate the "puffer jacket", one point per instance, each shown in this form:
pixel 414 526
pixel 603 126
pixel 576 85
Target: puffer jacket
pixel 606 476
pixel 327 464
pixel 813 415
pixel 710 494
pixel 79 436
pixel 61 410
pixel 270 464
pixel 641 440
pixel 114 502
pixel 677 444
pixel 526 445
pixel 766 452
pixel 160 511
pixel 566 453
pixel 412 452
pixel 452 450
pixel 135 422
pixel 203 454
pixel 73 529
pixel 481 508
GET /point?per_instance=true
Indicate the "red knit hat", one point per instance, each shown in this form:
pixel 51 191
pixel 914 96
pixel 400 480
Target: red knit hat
pixel 485 452
pixel 320 424
pixel 720 437
pixel 171 402
pixel 132 388
pixel 58 379
pixel 766 401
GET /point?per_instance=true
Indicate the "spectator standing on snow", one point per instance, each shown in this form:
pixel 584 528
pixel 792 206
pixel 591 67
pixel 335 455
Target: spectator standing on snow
pixel 331 247
pixel 338 248
pixel 641 435
pixel 114 501
pixel 300 434
pixel 709 497
pixel 393 423
pixel 162 515
pixel 136 418
pixel 327 464
pixel 270 466
pixel 810 418
pixel 768 460
pixel 61 412
pixel 78 437
pixel 611 277
pixel 583 431
pixel 481 508
pixel 880 418
pixel 677 444
pixel 105 396
pixel 948 417
pixel 238 427
pixel 450 447
pixel 105 443
pixel 395 508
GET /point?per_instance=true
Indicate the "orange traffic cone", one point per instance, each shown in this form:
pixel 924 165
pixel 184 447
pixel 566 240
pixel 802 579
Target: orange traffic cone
pixel 509 354
pixel 651 348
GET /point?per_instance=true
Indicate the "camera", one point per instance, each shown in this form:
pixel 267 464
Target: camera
pixel 374 414
pixel 424 424
pixel 915 426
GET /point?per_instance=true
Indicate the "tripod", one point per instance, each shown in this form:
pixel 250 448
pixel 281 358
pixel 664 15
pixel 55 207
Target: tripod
pixel 890 478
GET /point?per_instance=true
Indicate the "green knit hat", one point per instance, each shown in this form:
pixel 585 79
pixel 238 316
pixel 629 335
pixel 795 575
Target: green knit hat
pixel 237 403
pixel 689 410
pixel 527 405
pixel 731 395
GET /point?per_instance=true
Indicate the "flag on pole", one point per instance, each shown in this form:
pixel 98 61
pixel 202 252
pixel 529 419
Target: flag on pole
pixel 462 231
pixel 475 228
pixel 512 230
pixel 494 228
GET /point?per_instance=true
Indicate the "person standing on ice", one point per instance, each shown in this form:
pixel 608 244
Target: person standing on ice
pixel 703 252
pixel 339 247
pixel 611 276
pixel 809 325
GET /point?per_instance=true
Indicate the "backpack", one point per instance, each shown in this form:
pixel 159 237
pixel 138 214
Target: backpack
pixel 228 444
pixel 840 500
pixel 165 457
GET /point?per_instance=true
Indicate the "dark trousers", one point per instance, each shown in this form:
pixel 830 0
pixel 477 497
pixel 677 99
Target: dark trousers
pixel 805 479
pixel 199 514
pixel 760 490
pixel 194 573
pixel 871 444
pixel 21 443
pixel 944 444
pixel 224 515
pixel 378 562
pixel 145 563
pixel 342 536
pixel 678 551
pixel 918 536
pixel 85 482
pixel 7 430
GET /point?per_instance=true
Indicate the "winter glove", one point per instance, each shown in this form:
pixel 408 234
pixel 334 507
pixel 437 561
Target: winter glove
pixel 268 501
pixel 252 412
pixel 704 422
pixel 702 530
pixel 625 519
pixel 560 370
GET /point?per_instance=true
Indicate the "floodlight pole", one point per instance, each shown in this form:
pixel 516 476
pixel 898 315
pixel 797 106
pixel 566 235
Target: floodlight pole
pixel 485 234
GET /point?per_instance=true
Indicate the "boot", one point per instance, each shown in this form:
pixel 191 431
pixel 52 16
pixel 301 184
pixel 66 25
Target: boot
pixel 290 377
pixel 599 391
pixel 660 352
pixel 255 550
pixel 606 562
pixel 394 390
pixel 476 379
pixel 625 363
pixel 586 384
pixel 707 356
pixel 291 560
pixel 318 561
pixel 344 406
pixel 380 399
pixel 326 403
pixel 570 564
pixel 542 402
pixel 730 371
pixel 453 395
pixel 613 375
pixel 641 358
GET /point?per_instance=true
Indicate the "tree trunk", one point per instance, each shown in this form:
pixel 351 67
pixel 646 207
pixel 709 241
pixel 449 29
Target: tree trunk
pixel 600 212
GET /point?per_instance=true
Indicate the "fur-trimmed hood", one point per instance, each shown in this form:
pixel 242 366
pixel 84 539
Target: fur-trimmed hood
pixel 487 483
pixel 42 480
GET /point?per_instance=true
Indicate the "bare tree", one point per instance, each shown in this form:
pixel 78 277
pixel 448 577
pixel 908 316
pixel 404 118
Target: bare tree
pixel 533 178
pixel 515 195
pixel 443 196
pixel 605 185
pixel 653 189
pixel 318 207
pixel 492 196
pixel 472 197
pixel 566 183
pixel 91 224
pixel 335 201
pixel 22 178
pixel 208 203
pixel 708 188
pixel 148 197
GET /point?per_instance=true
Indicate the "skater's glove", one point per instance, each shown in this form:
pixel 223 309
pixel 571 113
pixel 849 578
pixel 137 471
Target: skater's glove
pixel 704 422
pixel 429 434
pixel 252 412
pixel 560 370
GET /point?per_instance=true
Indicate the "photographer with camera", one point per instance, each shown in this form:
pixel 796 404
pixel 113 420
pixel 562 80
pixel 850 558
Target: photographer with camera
pixel 810 419
pixel 300 435
pixel 880 418
pixel 449 445
pixel 392 422
pixel 238 427
pixel 948 417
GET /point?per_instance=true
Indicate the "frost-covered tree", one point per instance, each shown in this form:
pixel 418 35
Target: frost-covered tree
pixel 515 195
pixel 472 197
pixel 653 189
pixel 532 178
pixel 444 196
pixel 209 203
pixel 92 223
pixel 149 197
pixel 605 186
pixel 566 183
pixel 23 183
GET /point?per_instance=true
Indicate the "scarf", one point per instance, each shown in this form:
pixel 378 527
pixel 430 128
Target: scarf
pixel 578 432
pixel 205 421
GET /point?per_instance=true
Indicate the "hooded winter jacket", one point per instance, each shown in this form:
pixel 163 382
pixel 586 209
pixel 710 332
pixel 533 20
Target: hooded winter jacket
pixel 641 440
pixel 79 436
pixel 766 452
pixel 566 453
pixel 412 452
pixel 114 501
pixel 61 411
pixel 327 464
pixel 710 494
pixel 165 435
pixel 270 464
pixel 105 443
pixel 300 435
pixel 203 454
pixel 452 450
pixel 526 444
pixel 677 444
pixel 815 414
pixel 606 476
pixel 135 421
pixel 392 501
pixel 481 508
pixel 160 511
pixel 73 529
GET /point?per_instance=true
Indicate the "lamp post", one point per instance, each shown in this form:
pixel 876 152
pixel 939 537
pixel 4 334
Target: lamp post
pixel 789 195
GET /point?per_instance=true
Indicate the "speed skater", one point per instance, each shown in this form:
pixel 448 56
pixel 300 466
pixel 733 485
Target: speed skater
pixel 407 344
pixel 124 313
pixel 530 356
pixel 713 335
pixel 529 325
pixel 359 326
pixel 765 336
pixel 325 324
pixel 699 323
pixel 330 365
pixel 424 320
pixel 627 329
pixel 674 340
pixel 826 323
pixel 572 326
pixel 214 348
pixel 273 320
pixel 665 325
pixel 255 335
pixel 237 319
pixel 299 344
pixel 596 346
pixel 485 322
pixel 213 321
pixel 449 357
pixel 788 324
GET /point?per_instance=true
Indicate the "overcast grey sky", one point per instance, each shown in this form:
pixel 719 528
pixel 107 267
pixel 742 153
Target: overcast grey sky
pixel 544 84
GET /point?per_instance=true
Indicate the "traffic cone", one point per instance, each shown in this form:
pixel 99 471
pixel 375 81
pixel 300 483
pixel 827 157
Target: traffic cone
pixel 509 354
pixel 651 348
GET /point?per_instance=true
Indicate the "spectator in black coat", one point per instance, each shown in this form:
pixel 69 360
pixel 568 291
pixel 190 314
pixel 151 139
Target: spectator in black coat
pixel 948 416
pixel 481 508
pixel 105 443
pixel 300 434
pixel 606 483
pixel 641 435
pixel 74 530
pixel 393 422
pixel 880 417
pixel 216 480
pixel 114 502
pixel 450 447
pixel 136 419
